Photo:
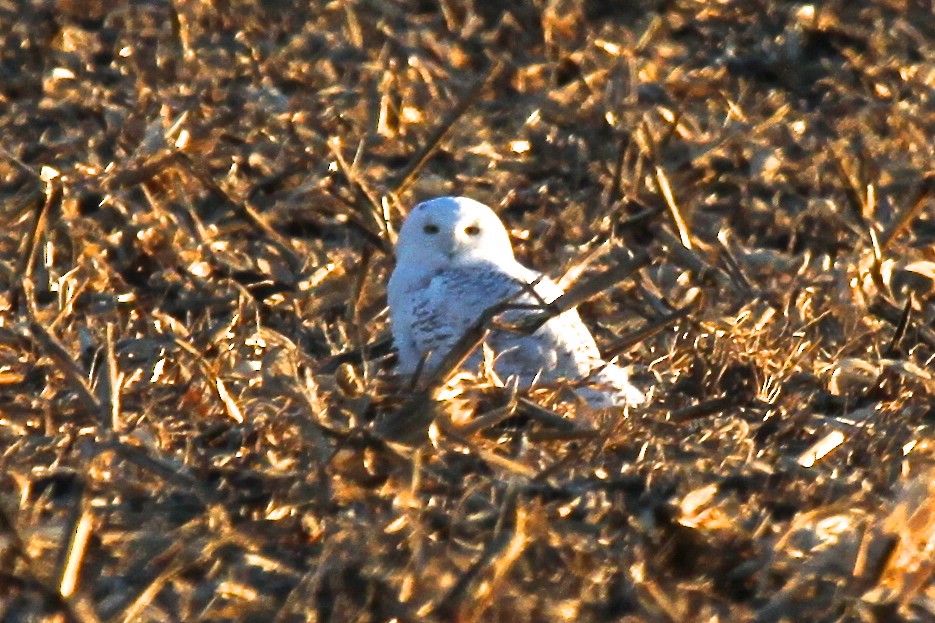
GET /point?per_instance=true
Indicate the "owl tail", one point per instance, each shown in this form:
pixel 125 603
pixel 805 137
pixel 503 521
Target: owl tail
pixel 612 387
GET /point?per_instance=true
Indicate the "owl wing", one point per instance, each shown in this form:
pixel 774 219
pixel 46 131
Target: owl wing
pixel 453 300
pixel 561 349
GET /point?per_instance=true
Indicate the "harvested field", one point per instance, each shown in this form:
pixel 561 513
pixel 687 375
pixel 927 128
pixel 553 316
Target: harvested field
pixel 198 415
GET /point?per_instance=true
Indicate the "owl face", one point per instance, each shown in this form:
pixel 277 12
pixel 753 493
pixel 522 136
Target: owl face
pixel 452 230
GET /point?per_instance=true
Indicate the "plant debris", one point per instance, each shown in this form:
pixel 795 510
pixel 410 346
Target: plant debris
pixel 199 419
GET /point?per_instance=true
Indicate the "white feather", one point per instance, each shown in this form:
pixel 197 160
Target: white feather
pixel 454 261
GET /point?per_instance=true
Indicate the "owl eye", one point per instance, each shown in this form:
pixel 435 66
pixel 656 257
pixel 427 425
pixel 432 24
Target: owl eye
pixel 472 230
pixel 430 229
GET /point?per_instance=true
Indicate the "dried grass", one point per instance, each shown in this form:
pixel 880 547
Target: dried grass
pixel 197 415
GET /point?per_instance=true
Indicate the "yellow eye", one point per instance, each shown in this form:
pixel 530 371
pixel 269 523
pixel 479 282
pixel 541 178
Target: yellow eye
pixel 472 230
pixel 430 229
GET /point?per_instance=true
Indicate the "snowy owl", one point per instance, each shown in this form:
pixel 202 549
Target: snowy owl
pixel 454 260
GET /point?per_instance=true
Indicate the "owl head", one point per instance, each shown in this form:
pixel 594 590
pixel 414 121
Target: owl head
pixel 451 231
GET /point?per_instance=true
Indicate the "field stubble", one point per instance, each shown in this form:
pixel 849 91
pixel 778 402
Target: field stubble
pixel 198 419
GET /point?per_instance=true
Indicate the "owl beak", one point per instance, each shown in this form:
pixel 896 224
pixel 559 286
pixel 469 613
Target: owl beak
pixel 460 240
pixel 455 246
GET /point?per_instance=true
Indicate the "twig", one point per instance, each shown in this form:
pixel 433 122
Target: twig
pixel 545 416
pixel 77 547
pixel 379 347
pixel 408 175
pixel 410 422
pixel 646 214
pixel 735 269
pixel 623 148
pixel 148 169
pixel 487 420
pixel 355 309
pixel 19 164
pixel 909 212
pixel 581 264
pixel 662 181
pixel 628 341
pixel 678 220
pixel 54 349
pixel 873 555
pixel 52 193
pixel 582 292
pixel 690 259
pixel 471 595
pixel 51 596
pixel 247 211
pixel 354 220
pixel 108 385
pixel 888 310
pixel 160 467
pixel 856 200
pixel 704 409
pixel 861 204
pixel 901 327
pixel 145 597
pixel 362 188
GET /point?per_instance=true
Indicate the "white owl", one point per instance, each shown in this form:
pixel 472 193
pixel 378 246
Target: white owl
pixel 454 260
